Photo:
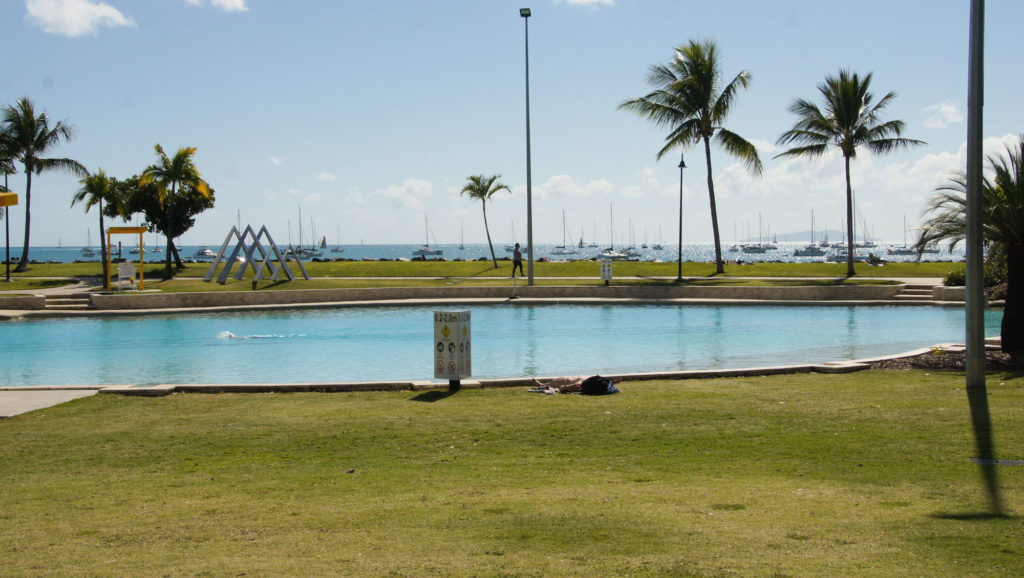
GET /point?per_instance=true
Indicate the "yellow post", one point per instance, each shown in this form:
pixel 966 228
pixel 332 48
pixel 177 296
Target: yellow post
pixel 126 231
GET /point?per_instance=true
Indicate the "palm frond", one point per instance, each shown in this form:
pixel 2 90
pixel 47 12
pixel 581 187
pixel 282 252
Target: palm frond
pixel 740 148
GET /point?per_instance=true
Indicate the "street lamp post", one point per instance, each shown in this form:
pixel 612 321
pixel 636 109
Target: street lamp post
pixel 525 14
pixel 682 165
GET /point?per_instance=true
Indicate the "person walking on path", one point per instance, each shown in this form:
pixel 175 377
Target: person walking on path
pixel 517 260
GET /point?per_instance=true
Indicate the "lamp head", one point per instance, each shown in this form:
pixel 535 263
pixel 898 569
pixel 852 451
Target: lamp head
pixel 524 12
pixel 682 162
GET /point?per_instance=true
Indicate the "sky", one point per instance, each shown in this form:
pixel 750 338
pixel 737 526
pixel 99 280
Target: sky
pixel 369 116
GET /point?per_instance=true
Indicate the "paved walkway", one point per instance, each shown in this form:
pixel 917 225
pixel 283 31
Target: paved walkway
pixel 30 399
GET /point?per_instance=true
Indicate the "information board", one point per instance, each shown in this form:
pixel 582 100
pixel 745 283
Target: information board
pixel 452 340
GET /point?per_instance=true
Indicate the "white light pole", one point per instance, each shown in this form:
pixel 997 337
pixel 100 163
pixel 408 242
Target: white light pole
pixel 682 165
pixel 525 13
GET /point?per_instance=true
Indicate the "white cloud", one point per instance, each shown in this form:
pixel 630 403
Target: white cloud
pixel 566 186
pixel 942 115
pixel 225 5
pixel 409 194
pixel 324 177
pixel 230 5
pixel 74 18
pixel 275 161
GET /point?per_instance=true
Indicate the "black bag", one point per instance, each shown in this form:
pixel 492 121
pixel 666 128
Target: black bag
pixel 598 385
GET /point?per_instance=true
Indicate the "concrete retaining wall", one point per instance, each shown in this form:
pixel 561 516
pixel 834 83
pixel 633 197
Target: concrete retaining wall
pixel 941 293
pixel 257 298
pixel 23 302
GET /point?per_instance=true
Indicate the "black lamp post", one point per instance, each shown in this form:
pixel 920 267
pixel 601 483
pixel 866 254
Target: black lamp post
pixel 682 165
pixel 525 14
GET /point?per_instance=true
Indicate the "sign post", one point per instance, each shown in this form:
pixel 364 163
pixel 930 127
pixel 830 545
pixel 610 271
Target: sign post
pixel 7 200
pixel 606 270
pixel 452 357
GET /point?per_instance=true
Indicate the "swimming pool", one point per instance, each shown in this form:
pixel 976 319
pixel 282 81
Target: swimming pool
pixel 395 343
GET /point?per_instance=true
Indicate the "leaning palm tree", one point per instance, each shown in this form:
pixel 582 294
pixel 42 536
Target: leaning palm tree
pixel 27 136
pixel 1002 192
pixel 97 188
pixel 849 120
pixel 690 100
pixel 173 175
pixel 482 188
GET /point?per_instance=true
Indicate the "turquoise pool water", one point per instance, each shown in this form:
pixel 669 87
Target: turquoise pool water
pixel 396 343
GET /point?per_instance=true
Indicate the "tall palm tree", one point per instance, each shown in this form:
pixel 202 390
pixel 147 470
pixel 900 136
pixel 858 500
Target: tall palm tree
pixel 27 136
pixel 1002 191
pixel 482 188
pixel 172 175
pixel 96 188
pixel 849 120
pixel 690 100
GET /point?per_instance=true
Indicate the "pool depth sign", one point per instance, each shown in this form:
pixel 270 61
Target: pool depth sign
pixel 452 360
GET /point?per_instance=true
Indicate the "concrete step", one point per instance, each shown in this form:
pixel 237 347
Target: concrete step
pixel 903 297
pixel 70 302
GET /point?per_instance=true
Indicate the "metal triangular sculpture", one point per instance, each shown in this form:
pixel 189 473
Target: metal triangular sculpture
pixel 271 259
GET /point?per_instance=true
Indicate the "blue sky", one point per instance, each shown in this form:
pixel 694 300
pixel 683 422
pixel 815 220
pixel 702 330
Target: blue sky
pixel 371 114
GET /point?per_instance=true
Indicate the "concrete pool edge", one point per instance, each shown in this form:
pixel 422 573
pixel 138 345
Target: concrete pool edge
pixel 832 367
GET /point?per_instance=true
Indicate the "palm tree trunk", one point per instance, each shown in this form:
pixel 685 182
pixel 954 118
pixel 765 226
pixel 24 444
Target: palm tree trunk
pixel 1012 330
pixel 719 268
pixel 483 204
pixel 849 221
pixel 103 250
pixel 168 274
pixel 23 263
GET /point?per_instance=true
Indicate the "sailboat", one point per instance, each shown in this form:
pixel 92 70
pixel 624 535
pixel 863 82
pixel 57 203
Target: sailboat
pixel 425 249
pixel 810 250
pixel 564 249
pixel 631 250
pixel 87 250
pixel 511 248
pixel 312 250
pixel 658 246
pixel 610 252
pixel 462 236
pixel 760 247
pixel 338 248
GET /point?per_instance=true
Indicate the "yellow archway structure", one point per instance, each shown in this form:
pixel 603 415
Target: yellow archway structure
pixel 125 231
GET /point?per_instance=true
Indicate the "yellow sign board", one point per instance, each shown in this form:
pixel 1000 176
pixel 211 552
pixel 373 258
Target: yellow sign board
pixel 126 230
pixel 8 199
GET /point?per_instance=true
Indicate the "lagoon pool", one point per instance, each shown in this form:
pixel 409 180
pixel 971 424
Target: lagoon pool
pixel 395 343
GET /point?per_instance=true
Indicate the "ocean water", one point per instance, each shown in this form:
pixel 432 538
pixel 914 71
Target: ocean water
pixel 699 252
pixel 365 343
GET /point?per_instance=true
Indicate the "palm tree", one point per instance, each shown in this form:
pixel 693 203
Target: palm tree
pixel 173 175
pixel 96 188
pixel 482 188
pixel 849 121
pixel 27 136
pixel 690 100
pixel 1002 191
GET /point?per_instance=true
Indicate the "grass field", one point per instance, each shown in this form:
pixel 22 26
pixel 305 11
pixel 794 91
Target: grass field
pixel 476 273
pixel 862 474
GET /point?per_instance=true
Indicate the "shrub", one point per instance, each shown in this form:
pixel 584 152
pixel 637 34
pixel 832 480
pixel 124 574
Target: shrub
pixel 955 278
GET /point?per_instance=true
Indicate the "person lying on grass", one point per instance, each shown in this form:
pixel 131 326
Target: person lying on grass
pixel 569 384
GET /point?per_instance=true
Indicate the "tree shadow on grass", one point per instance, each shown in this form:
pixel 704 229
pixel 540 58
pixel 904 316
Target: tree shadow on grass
pixel 971 516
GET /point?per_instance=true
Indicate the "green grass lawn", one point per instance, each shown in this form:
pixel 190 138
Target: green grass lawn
pixel 446 273
pixel 862 474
